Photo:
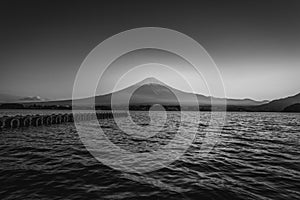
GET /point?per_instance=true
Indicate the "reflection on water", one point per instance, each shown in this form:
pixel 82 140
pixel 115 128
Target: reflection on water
pixel 257 157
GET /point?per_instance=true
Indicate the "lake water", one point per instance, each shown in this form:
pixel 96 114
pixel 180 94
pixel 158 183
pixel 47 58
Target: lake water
pixel 257 157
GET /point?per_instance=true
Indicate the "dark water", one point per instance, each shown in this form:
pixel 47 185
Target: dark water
pixel 257 157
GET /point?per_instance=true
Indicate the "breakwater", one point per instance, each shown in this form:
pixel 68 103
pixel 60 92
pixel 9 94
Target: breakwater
pixel 40 120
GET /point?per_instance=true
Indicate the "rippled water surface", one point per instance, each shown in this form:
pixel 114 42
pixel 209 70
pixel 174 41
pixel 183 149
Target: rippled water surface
pixel 257 156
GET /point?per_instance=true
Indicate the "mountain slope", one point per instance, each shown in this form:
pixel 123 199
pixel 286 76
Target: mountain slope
pixel 292 108
pixel 279 104
pixel 151 91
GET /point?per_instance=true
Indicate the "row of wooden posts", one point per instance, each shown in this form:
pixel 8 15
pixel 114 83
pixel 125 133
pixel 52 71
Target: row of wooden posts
pixel 39 120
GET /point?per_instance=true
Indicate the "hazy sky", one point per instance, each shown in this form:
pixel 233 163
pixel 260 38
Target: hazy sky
pixel 255 44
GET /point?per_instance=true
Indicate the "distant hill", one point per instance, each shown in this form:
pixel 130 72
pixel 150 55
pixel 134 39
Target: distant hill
pixel 151 91
pixel 292 108
pixel 279 104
